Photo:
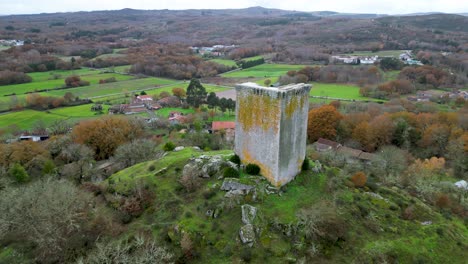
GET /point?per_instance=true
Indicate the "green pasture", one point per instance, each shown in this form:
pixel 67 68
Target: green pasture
pixel 226 62
pixel 342 91
pixel 264 71
pixel 252 58
pixel 391 75
pixel 262 81
pixel 62 74
pixel 27 118
pixel 112 88
pixel 209 88
pixel 4 47
pixel 57 83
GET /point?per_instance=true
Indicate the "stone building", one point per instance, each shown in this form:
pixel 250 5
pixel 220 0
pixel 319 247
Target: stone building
pixel 271 128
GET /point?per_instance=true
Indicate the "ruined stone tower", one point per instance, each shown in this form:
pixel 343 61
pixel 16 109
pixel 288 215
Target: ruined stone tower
pixel 271 128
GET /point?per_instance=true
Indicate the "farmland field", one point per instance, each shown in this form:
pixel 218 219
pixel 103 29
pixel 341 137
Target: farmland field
pixel 252 58
pixel 27 118
pixel 226 62
pixel 342 91
pixel 112 88
pixel 41 80
pixel 264 70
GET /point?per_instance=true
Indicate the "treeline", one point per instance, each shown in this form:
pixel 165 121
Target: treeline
pixel 39 102
pixel 424 135
pixel 8 77
pixel 334 74
pixel 244 64
pixel 245 52
pixel 171 61
pixel 410 80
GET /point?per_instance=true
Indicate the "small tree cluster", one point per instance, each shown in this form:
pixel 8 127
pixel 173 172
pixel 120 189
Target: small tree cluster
pixel 75 81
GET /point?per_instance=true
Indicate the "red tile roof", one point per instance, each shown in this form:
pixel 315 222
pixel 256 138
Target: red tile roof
pixel 217 125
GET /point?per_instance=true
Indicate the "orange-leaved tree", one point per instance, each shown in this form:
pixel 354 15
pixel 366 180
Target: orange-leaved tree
pixel 323 122
pixel 104 135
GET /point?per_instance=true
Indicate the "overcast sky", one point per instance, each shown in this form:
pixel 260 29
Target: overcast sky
pixel 349 6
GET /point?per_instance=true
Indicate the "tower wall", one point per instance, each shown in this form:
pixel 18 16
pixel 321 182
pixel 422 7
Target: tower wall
pixel 271 126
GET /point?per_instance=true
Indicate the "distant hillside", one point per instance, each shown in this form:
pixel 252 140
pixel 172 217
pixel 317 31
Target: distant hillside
pixel 447 22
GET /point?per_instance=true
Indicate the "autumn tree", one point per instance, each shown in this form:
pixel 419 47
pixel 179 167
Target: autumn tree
pixel 179 92
pixel 106 134
pixel 323 122
pixel 196 93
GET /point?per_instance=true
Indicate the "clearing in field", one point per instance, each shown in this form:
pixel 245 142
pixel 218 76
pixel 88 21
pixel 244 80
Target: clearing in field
pixel 26 119
pixel 338 91
pixel 264 71
pixel 226 62
pixel 56 79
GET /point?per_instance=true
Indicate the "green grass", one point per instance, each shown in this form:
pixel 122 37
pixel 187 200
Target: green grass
pixel 391 75
pixel 41 81
pixel 342 91
pixel 262 81
pixel 209 88
pixel 253 58
pixel 4 47
pixel 264 71
pixel 49 75
pixel 121 87
pixel 226 62
pixel 164 112
pixel 27 118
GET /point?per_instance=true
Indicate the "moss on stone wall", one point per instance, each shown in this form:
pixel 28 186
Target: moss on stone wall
pixel 259 111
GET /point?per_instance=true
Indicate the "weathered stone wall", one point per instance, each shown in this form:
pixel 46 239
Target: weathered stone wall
pixel 271 126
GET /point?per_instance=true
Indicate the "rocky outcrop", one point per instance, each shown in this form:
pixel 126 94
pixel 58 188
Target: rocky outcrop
pixel 207 166
pixel 248 214
pixel 247 234
pixel 231 184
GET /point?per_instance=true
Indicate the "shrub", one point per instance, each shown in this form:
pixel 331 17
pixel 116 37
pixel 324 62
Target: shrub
pixel 18 173
pixel 209 194
pixel 169 146
pixel 443 201
pixel 230 172
pixel 305 164
pixel 252 169
pixel 235 159
pixel 359 179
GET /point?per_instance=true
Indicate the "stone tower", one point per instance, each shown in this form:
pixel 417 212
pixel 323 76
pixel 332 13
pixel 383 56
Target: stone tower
pixel 271 128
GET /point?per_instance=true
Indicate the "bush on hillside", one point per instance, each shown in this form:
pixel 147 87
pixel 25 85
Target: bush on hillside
pixel 359 179
pixel 235 159
pixel 169 146
pixel 230 172
pixel 18 173
pixel 252 169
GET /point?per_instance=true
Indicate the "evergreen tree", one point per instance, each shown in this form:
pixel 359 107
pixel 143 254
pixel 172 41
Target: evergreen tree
pixel 196 93
pixel 212 100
